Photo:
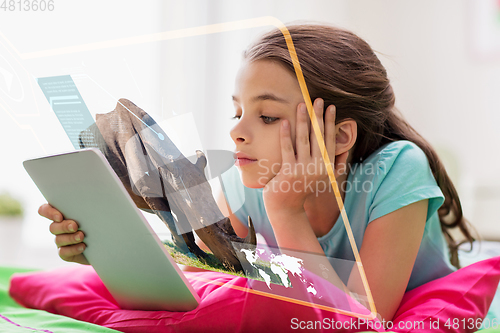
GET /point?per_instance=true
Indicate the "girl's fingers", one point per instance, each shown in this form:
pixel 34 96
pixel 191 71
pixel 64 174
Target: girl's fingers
pixel 73 253
pixel 287 151
pixel 69 239
pixel 50 212
pixel 330 131
pixel 302 134
pixel 318 111
pixel 64 227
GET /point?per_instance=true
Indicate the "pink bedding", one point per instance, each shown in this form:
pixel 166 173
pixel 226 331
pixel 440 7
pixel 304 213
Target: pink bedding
pixel 78 292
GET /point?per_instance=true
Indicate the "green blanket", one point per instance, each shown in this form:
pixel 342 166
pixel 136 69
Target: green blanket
pixel 15 318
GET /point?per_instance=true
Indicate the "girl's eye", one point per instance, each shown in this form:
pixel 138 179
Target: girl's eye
pixel 236 117
pixel 268 120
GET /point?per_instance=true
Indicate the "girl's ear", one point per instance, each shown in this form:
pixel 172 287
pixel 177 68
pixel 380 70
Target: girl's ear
pixel 346 133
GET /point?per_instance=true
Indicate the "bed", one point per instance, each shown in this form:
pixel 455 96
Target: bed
pixel 16 318
pixel 77 292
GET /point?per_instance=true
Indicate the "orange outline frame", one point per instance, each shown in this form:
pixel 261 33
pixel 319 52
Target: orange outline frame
pixel 224 27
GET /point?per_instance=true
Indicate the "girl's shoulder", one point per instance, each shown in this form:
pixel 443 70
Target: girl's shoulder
pixel 396 175
pixel 400 154
pixel 394 170
pixel 395 148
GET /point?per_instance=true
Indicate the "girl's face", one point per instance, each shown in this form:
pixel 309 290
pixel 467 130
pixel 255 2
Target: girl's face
pixel 265 94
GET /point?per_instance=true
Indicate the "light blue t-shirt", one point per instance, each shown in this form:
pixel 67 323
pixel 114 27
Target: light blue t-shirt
pixel 394 176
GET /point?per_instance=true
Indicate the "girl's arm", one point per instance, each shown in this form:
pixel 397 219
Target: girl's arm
pixel 390 243
pixel 388 252
pixel 240 229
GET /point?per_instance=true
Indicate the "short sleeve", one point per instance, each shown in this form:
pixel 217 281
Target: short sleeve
pixel 403 176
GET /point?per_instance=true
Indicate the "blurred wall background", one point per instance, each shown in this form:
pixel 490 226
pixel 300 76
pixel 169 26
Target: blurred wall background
pixel 443 58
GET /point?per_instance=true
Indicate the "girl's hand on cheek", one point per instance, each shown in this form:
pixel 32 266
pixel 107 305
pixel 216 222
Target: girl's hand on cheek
pixel 303 173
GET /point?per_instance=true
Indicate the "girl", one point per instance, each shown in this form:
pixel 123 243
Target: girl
pixel 397 195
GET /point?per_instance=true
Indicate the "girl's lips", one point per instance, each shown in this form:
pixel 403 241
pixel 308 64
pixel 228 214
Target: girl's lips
pixel 243 161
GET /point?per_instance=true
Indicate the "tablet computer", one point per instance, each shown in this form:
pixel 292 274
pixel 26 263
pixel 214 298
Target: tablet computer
pixel 124 250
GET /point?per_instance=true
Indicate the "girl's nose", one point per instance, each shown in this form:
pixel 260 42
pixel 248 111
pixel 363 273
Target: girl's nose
pixel 239 134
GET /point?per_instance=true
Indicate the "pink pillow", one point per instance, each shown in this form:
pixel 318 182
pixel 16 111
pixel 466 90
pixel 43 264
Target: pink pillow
pixel 78 292
pixel 454 303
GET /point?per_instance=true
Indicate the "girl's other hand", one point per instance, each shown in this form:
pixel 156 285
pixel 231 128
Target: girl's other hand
pixel 68 239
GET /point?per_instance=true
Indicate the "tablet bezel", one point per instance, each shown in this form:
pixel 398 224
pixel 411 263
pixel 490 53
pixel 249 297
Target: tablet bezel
pixel 82 186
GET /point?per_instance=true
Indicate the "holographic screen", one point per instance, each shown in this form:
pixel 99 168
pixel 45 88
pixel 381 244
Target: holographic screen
pixel 184 80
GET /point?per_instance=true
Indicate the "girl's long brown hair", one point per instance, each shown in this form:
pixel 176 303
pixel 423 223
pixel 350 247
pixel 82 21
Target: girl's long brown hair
pixel 342 68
